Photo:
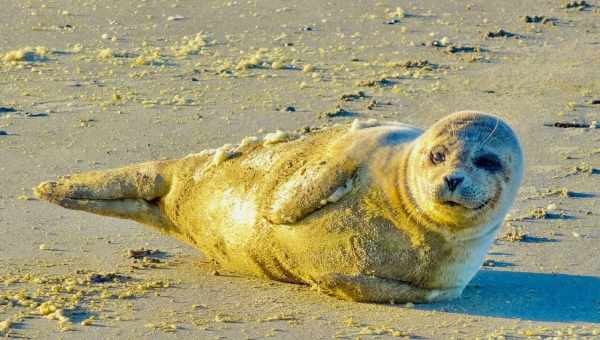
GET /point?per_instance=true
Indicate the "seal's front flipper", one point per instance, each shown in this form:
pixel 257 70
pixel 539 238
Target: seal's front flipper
pixel 363 288
pixel 310 188
pixel 129 192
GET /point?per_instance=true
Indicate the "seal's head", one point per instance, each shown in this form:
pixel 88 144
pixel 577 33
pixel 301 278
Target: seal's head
pixel 465 170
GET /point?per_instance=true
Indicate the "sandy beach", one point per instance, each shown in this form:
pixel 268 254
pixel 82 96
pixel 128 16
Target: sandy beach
pixel 99 84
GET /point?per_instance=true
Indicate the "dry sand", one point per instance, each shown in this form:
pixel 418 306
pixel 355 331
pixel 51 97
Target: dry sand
pixel 98 84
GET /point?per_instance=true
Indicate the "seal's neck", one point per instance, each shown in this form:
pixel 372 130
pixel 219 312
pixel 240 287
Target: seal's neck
pixel 392 200
pixel 404 189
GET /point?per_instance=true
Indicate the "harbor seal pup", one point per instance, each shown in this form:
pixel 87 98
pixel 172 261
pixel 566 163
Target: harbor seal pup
pixel 367 212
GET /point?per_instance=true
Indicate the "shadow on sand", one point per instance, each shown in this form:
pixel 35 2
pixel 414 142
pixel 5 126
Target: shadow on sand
pixel 528 296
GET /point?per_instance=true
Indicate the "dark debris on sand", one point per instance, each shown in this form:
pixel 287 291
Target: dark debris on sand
pixel 142 253
pixel 577 5
pixel 566 125
pixel 353 96
pixel 539 19
pixel 4 109
pixel 107 277
pixel 338 112
pixel 452 49
pixel 501 33
pixel 383 82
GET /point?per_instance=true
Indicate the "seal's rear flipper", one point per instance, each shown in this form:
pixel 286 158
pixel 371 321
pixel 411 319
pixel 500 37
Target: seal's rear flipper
pixel 130 192
pixel 129 208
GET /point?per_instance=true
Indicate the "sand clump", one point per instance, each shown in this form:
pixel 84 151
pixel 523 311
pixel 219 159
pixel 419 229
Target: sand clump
pixel 560 192
pixel 550 212
pixel 192 45
pixel 222 154
pixel 279 136
pixel 515 234
pixel 59 297
pixel 397 13
pixel 359 124
pixel 339 193
pixel 5 327
pixel 151 56
pixel 248 142
pixel 265 58
pixel 105 54
pixel 26 54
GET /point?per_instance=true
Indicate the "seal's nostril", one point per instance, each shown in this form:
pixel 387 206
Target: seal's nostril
pixel 453 181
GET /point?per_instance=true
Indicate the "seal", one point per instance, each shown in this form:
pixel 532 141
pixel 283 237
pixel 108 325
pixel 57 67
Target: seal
pixel 368 212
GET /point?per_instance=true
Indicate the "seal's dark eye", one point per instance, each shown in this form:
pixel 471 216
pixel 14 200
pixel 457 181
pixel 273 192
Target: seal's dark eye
pixel 438 155
pixel 488 162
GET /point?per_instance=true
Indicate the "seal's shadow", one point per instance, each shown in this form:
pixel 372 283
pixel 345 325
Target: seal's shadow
pixel 528 296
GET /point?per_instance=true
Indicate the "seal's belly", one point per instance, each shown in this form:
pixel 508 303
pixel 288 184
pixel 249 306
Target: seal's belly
pixel 237 214
pixel 229 224
pixel 239 238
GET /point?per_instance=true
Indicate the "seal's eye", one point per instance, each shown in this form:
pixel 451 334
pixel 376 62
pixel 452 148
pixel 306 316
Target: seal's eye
pixel 438 155
pixel 488 162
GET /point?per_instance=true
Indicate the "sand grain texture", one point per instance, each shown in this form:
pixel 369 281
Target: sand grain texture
pixel 101 84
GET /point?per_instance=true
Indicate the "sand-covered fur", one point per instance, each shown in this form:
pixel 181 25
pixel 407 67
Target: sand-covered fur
pixel 365 212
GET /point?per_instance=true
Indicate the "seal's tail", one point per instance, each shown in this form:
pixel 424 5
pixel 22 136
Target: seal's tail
pixel 131 192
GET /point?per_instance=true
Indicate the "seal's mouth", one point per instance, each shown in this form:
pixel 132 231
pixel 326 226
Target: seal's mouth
pixel 454 204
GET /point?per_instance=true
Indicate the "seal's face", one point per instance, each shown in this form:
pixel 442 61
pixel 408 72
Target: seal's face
pixel 466 169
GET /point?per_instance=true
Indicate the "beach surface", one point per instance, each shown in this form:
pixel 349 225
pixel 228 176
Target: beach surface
pixel 89 85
